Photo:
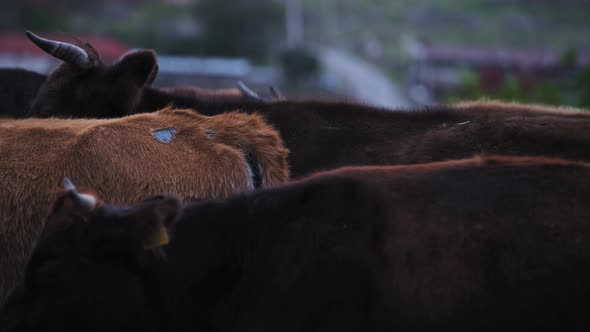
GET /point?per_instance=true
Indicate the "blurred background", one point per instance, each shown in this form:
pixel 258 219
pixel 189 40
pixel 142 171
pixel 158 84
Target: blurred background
pixel 394 53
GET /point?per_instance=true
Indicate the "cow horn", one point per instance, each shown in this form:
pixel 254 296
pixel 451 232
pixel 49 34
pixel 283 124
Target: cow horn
pixel 275 92
pixel 66 52
pixel 68 185
pixel 88 202
pixel 247 92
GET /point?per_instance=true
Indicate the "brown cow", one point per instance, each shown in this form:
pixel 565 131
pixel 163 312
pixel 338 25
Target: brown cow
pixel 323 135
pixel 483 244
pixel 175 151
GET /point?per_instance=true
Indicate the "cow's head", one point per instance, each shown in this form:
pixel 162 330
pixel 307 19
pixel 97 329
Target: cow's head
pixel 90 269
pixel 83 86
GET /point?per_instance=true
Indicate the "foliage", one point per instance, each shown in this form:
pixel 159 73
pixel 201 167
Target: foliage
pixel 39 19
pixel 141 25
pixel 299 63
pixel 569 58
pixel 485 23
pixel 240 28
pixel 573 90
pixel 582 86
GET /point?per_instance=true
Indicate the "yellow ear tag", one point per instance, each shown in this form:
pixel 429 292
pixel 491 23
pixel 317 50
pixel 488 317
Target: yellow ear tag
pixel 156 239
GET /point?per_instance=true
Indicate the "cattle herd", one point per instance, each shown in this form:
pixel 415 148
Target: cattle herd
pixel 127 207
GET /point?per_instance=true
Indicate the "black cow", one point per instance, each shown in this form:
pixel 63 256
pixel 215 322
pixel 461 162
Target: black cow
pixel 484 244
pixel 115 90
pixel 18 88
pixel 323 135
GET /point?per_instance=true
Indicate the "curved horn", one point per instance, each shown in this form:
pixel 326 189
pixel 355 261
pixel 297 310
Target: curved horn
pixel 68 185
pixel 276 93
pixel 247 92
pixel 66 52
pixel 88 202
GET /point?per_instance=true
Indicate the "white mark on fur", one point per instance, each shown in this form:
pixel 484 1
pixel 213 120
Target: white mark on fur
pixel 164 135
pixel 250 184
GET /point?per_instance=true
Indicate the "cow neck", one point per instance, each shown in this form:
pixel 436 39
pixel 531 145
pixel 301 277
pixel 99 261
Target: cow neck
pixel 150 280
pixel 204 270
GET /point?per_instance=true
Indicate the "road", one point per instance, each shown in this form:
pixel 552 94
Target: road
pixel 364 81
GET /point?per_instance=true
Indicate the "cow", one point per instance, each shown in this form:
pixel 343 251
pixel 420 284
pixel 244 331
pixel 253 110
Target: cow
pixel 18 88
pixel 325 134
pixel 174 150
pixel 489 243
pixel 84 75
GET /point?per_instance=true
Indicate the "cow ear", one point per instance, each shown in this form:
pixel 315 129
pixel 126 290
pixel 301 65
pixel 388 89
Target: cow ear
pixel 152 218
pixel 153 75
pixel 140 67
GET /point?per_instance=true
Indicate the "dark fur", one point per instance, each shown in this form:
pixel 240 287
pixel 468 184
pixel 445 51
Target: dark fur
pixel 323 135
pixel 483 244
pixel 18 88
pixel 123 88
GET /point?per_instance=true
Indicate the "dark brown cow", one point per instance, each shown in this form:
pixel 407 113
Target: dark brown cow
pixel 176 151
pixel 483 244
pixel 321 134
pixel 18 88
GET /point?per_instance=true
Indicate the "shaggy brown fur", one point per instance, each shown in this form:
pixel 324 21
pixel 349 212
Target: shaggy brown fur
pixel 479 161
pixel 485 104
pixel 207 158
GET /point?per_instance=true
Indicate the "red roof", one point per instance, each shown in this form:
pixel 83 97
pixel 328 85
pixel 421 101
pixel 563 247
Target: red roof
pixel 18 44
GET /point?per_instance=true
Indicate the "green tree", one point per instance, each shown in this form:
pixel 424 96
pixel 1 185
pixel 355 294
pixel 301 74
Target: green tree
pixel 250 28
pixel 574 90
pixel 582 86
